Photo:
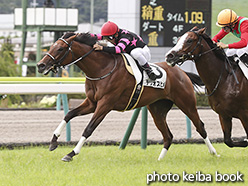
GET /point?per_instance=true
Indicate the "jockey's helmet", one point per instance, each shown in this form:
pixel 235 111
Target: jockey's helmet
pixel 109 28
pixel 226 17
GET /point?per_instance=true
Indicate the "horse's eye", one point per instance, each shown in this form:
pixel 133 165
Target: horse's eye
pixel 60 49
pixel 189 41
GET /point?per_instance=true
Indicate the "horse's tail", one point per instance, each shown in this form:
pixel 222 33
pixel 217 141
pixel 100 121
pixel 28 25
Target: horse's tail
pixel 196 81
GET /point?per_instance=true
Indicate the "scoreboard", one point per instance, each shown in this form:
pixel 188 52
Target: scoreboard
pixel 162 22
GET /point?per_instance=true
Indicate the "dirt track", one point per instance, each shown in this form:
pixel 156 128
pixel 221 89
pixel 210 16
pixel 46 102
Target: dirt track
pixel 27 126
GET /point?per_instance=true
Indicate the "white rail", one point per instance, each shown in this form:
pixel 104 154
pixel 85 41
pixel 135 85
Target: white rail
pixel 42 88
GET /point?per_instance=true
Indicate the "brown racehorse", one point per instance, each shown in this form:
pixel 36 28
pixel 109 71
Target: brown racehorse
pixel 226 85
pixel 109 86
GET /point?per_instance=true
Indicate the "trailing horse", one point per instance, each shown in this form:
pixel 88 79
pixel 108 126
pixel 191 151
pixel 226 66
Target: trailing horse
pixel 109 86
pixel 226 85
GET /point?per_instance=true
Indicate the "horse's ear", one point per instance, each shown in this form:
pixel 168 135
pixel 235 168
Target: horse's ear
pixel 194 28
pixel 202 30
pixel 72 38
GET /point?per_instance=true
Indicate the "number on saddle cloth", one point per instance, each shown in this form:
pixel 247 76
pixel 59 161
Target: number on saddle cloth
pixel 140 74
pixel 244 59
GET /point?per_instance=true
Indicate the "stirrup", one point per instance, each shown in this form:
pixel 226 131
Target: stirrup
pixel 152 75
pixel 149 71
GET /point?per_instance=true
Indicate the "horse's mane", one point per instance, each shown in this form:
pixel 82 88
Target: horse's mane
pixel 218 51
pixel 85 38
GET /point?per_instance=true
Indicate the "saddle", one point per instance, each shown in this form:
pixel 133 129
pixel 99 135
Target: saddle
pixel 242 65
pixel 142 79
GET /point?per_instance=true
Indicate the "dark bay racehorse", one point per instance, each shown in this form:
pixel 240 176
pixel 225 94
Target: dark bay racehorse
pixel 109 87
pixel 226 85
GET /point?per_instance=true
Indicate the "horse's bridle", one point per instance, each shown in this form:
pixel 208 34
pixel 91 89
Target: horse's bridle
pixel 190 55
pixel 57 62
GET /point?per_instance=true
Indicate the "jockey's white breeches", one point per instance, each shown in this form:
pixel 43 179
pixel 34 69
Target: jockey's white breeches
pixel 142 55
pixel 238 51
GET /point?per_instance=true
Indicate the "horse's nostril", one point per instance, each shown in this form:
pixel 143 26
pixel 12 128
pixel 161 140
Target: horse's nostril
pixel 170 56
pixel 41 66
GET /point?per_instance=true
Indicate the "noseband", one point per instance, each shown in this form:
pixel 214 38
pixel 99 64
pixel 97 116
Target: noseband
pixel 57 62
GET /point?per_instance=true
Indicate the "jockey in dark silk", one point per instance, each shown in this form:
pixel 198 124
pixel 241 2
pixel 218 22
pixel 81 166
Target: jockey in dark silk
pixel 128 42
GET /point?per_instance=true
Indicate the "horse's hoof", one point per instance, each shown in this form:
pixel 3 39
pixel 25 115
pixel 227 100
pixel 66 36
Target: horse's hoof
pixel 162 154
pixel 53 146
pixel 67 158
pixel 213 152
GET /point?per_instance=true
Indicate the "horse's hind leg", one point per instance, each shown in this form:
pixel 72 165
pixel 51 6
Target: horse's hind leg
pixel 159 112
pixel 189 108
pixel 85 108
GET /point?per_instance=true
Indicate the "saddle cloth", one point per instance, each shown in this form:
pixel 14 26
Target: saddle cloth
pixel 243 68
pixel 134 69
pixel 142 79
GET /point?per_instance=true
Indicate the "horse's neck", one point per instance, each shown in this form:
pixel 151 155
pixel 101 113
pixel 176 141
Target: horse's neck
pixel 210 68
pixel 95 64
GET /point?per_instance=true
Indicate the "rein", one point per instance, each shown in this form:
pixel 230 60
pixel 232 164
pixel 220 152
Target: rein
pixel 194 57
pixel 57 63
pixel 104 76
pixel 191 56
pixel 79 59
pixel 216 85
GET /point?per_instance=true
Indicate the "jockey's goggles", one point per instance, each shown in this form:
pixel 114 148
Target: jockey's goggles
pixel 226 27
pixel 109 37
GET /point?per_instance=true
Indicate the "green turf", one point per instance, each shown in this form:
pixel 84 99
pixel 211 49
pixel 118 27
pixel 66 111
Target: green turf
pixel 107 165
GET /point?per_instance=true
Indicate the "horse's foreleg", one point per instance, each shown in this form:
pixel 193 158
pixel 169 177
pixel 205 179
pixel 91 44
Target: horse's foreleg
pixel 226 124
pixel 85 108
pixel 159 112
pixel 56 134
pixel 101 111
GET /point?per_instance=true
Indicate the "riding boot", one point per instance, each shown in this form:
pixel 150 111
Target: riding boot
pixel 149 71
pixel 244 59
pixel 233 59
